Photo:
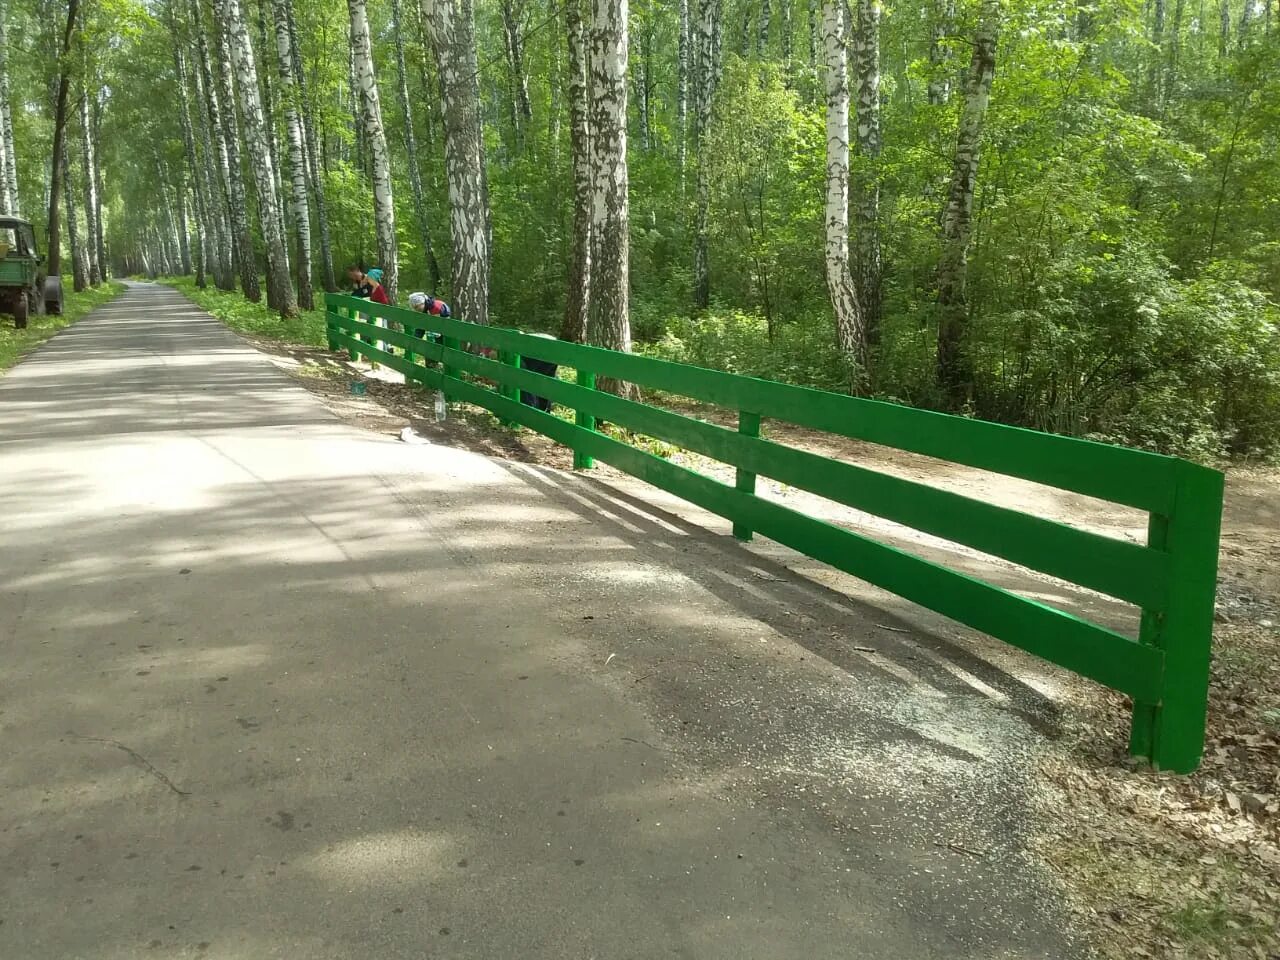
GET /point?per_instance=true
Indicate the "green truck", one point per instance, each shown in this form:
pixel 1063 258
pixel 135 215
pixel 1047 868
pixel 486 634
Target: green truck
pixel 24 288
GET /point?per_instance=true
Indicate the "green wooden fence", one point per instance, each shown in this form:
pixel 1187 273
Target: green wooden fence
pixel 1171 578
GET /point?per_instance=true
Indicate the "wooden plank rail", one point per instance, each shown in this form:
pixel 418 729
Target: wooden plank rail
pixel 1171 578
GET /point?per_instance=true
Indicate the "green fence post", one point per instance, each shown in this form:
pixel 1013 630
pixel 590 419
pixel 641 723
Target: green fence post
pixel 328 329
pixel 507 390
pixel 450 343
pixel 748 426
pixel 581 460
pixel 1173 732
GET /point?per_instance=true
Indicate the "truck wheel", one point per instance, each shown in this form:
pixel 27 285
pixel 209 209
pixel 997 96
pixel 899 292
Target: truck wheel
pixel 53 295
pixel 20 313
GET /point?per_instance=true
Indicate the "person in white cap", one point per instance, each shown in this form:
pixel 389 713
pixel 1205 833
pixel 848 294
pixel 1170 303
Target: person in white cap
pixel 425 303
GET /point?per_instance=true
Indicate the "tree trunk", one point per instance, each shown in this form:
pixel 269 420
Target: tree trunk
pixel 1154 91
pixel 708 15
pixel 222 103
pixel 79 261
pixel 578 292
pixel 850 332
pixel 954 372
pixel 787 36
pixel 943 17
pixel 813 37
pixel 521 111
pixel 643 80
pixel 297 156
pixel 451 27
pixel 203 228
pixel 608 318
pixel 866 57
pixel 184 227
pixel 311 145
pixel 766 21
pixel 59 149
pixel 214 171
pixel 384 210
pixel 682 92
pixel 87 165
pixel 265 50
pixel 9 173
pixel 1224 27
pixel 279 286
pixel 411 148
pixel 101 238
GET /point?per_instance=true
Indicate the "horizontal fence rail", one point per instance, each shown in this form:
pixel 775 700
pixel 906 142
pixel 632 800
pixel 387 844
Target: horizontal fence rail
pixel 1171 578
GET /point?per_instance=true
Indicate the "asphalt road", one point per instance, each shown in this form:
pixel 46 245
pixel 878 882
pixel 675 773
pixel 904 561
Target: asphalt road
pixel 271 686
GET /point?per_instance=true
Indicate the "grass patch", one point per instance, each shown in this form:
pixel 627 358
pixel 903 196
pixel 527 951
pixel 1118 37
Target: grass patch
pixel 15 344
pixel 254 319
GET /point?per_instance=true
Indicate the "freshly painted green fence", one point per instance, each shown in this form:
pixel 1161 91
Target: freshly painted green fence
pixel 1171 578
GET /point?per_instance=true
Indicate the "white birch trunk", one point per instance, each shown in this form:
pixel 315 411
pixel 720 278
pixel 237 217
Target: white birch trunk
pixel 844 297
pixel 87 165
pixel 578 292
pixel 707 75
pixel 297 157
pixel 451 27
pixel 608 323
pixel 222 106
pixel 79 262
pixel 942 16
pixel 98 191
pixel 279 286
pixel 9 173
pixel 411 147
pixel 866 53
pixel 521 111
pixel 213 175
pixel 384 210
pixel 203 227
pixel 954 373
pixel 766 21
pixel 682 91
pixel 311 145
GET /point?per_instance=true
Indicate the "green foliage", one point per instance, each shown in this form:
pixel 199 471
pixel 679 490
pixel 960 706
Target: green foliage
pixel 15 344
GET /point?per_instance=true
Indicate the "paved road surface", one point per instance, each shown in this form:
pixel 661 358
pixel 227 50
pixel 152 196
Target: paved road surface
pixel 271 686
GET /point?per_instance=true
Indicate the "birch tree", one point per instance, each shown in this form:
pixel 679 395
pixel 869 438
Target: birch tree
pixel 384 211
pixel 79 262
pixel 411 147
pixel 521 109
pixel 311 143
pixel 297 155
pixel 221 103
pixel 707 24
pixel 682 90
pixel 91 208
pixel 8 151
pixel 578 292
pixel 866 55
pixel 850 331
pixel 279 287
pixel 451 27
pixel 212 173
pixel 59 142
pixel 608 323
pixel 203 227
pixel 954 372
pixel 942 18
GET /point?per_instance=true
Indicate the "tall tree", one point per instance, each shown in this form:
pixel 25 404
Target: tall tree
pixel 411 148
pixel 866 58
pixel 608 323
pixel 384 210
pixel 942 15
pixel 95 140
pixel 298 191
pixel 311 142
pixel 578 295
pixel 79 260
pixel 706 76
pixel 850 329
pixel 521 109
pixel 221 103
pixel 91 203
pixel 203 227
pixel 8 151
pixel 682 90
pixel 279 286
pixel 451 27
pixel 59 137
pixel 955 374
